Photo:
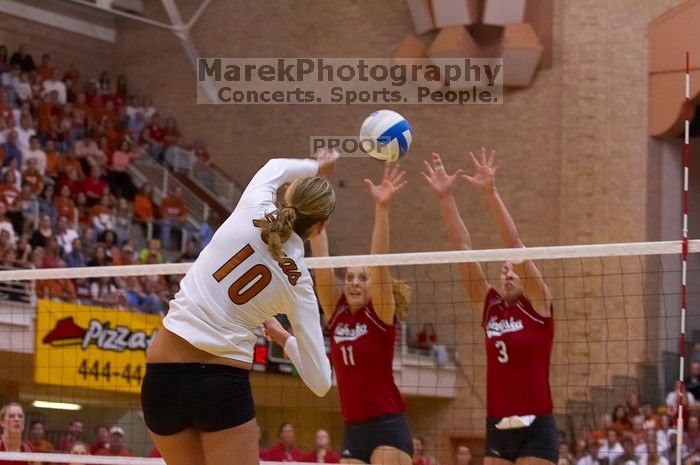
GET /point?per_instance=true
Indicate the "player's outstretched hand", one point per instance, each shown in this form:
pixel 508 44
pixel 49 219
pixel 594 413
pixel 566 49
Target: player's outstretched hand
pixel 484 177
pixel 326 162
pixel 392 180
pixel 437 177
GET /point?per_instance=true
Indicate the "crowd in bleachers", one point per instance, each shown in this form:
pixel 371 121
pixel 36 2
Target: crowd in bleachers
pixel 110 441
pixel 638 434
pixel 66 196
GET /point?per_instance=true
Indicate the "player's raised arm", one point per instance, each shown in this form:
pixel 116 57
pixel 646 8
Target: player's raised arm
pixel 279 171
pixel 324 278
pixel 484 178
pixel 382 193
pixel 473 276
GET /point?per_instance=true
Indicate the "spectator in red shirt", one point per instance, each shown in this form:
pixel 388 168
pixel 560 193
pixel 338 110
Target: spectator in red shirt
pixel 116 444
pixel 427 337
pixel 418 457
pixel 12 423
pixel 154 136
pixel 173 212
pixel 322 452
pixel 45 70
pixel 94 186
pixel 284 450
pixel 122 91
pixel 72 435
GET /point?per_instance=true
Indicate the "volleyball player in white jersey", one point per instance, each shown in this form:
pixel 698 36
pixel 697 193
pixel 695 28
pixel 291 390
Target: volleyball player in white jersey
pixel 196 395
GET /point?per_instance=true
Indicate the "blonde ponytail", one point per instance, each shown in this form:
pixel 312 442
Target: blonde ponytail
pixel 277 228
pixel 402 297
pixel 307 202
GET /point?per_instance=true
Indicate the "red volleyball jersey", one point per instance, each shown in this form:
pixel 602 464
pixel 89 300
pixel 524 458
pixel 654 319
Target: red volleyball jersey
pixel 518 349
pixel 362 353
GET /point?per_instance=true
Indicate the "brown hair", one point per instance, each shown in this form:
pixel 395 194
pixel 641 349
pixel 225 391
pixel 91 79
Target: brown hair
pixel 307 201
pixel 402 297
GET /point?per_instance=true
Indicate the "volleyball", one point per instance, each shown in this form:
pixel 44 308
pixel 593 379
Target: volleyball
pixel 385 135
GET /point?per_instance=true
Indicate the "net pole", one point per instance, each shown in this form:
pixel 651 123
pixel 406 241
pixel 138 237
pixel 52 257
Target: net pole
pixel 684 255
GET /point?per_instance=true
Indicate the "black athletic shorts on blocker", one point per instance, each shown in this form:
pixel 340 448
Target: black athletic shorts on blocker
pixel 175 396
pixel 539 440
pixel 362 437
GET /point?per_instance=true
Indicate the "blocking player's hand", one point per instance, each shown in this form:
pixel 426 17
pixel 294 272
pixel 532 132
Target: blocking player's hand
pixel 484 177
pixel 392 181
pixel 437 177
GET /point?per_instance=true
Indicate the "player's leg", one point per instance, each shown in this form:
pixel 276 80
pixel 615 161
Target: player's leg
pixel 501 446
pixel 496 461
pixel 387 455
pixel 394 442
pixel 532 461
pixel 351 461
pixel 183 448
pixel 232 446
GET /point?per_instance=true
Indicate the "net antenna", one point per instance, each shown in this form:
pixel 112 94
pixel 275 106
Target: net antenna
pixel 177 26
pixel 681 392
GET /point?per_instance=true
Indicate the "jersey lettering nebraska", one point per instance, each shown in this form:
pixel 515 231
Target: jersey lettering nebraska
pixel 518 349
pixel 362 352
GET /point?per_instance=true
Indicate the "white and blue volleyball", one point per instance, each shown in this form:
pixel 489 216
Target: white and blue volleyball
pixel 385 135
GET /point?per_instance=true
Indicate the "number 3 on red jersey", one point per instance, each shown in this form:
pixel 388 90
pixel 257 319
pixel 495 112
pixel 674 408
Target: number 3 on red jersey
pixel 502 352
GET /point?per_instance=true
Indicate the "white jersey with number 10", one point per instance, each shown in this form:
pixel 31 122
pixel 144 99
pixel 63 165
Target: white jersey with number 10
pixel 235 285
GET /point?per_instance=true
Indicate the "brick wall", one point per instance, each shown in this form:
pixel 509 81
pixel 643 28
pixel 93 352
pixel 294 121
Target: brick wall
pixel 574 146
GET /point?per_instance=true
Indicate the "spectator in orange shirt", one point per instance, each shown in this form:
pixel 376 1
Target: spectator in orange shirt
pixel 62 289
pixel 32 176
pixel 53 159
pixel 36 438
pixel 64 205
pixel 9 195
pixel 173 213
pixel 143 204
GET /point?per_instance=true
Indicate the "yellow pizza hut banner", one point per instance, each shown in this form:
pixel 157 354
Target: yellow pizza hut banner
pixel 92 347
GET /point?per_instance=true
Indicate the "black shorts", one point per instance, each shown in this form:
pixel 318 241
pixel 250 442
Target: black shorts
pixel 176 396
pixel 540 440
pixel 362 437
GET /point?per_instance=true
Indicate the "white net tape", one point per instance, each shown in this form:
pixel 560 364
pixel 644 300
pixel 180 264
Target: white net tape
pixel 398 259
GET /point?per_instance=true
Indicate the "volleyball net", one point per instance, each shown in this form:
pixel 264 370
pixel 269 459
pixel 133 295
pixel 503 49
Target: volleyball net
pixel 73 341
